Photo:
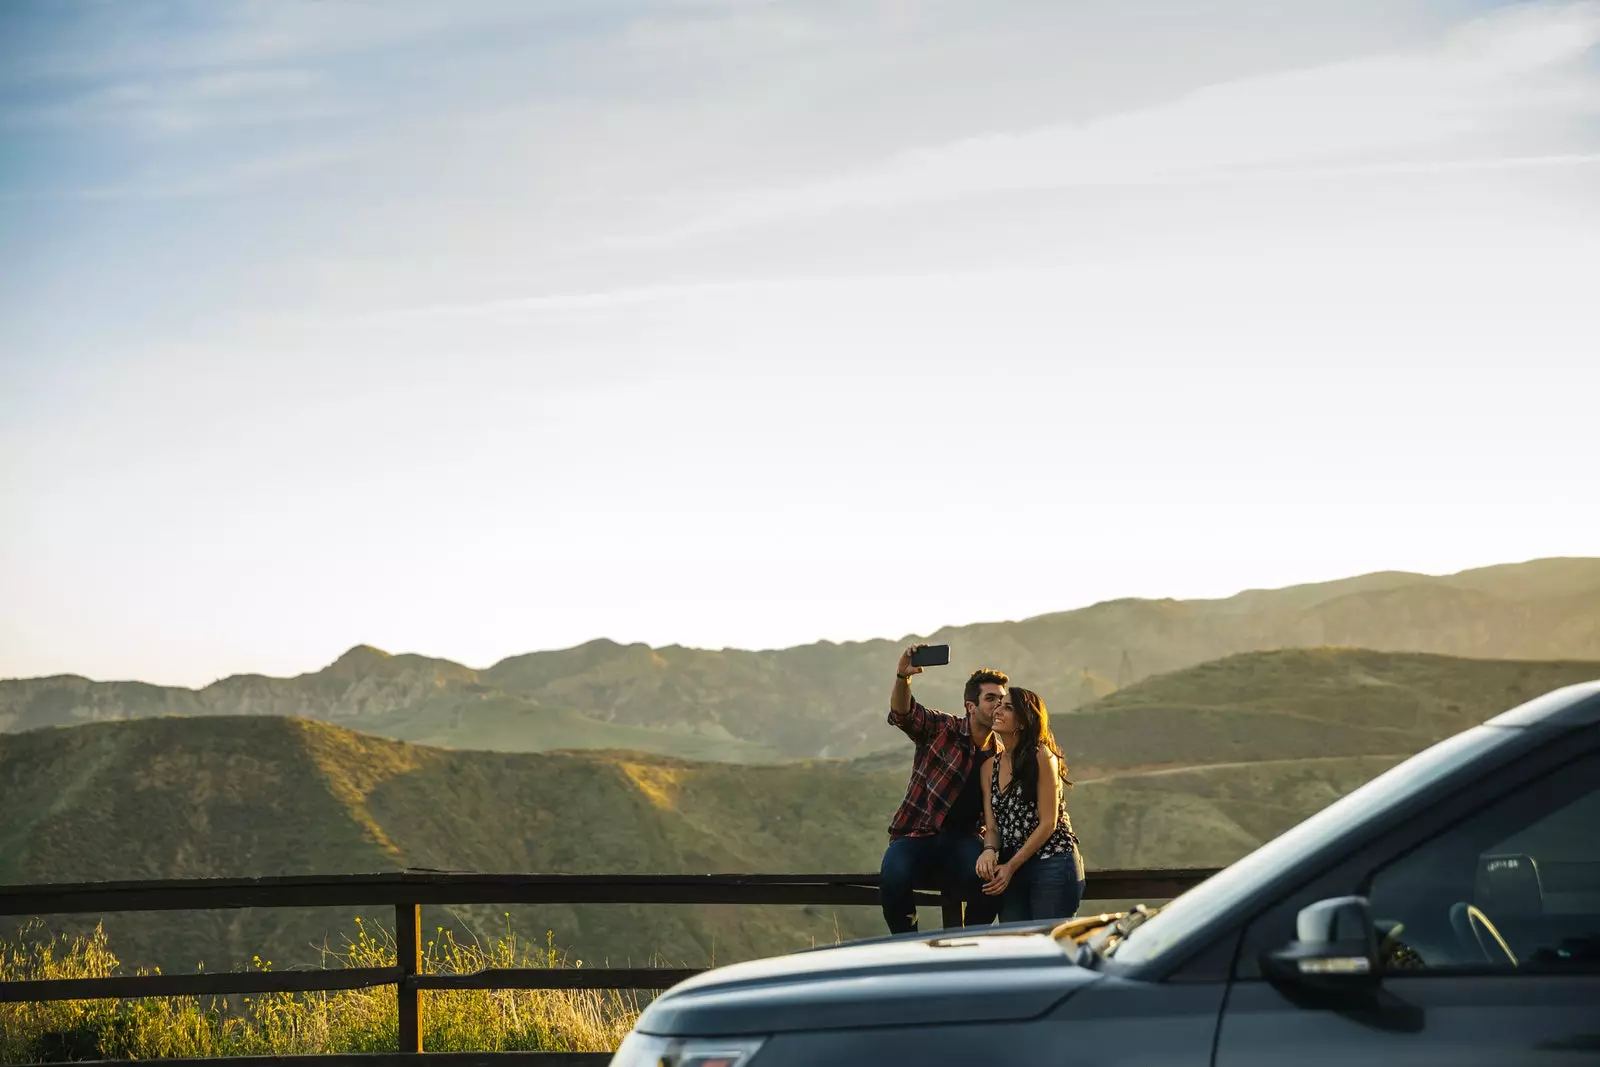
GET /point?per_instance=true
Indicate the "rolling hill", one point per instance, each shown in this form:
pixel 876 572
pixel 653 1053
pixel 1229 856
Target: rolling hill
pixel 827 699
pixel 1196 767
pixel 1298 703
pixel 177 797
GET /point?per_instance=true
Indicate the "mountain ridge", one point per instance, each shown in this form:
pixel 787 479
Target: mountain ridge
pixel 826 698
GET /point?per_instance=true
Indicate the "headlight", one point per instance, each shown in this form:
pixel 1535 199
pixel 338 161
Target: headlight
pixel 648 1050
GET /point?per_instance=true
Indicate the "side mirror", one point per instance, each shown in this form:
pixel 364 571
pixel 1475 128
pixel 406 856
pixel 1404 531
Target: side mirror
pixel 1335 948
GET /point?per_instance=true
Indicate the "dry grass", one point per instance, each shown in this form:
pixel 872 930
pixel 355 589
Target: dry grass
pixel 362 1020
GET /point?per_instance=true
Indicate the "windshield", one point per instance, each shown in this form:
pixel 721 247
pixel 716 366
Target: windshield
pixel 1236 883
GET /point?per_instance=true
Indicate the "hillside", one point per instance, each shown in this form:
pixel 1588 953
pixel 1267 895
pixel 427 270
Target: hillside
pixel 1298 703
pixel 183 797
pixel 411 698
pixel 827 699
pixel 1191 768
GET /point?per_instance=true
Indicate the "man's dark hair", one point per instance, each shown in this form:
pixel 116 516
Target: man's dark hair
pixel 981 677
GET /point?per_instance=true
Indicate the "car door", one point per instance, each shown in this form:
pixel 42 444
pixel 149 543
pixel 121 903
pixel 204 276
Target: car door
pixel 1488 923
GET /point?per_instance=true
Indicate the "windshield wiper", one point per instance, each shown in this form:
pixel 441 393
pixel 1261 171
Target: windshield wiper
pixel 1088 924
pixel 1127 924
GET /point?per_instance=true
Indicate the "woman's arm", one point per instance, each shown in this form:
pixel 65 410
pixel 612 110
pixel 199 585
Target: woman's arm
pixel 1049 787
pixel 989 858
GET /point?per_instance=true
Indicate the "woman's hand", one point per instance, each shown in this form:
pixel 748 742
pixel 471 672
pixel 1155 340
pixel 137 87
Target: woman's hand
pixel 988 860
pixel 1002 878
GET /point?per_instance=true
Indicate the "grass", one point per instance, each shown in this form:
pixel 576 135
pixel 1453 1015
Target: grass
pixel 361 1020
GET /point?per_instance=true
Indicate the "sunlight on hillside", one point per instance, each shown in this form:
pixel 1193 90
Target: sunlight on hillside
pixel 353 765
pixel 659 783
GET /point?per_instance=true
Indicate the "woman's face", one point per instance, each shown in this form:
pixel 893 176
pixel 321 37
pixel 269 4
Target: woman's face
pixel 1005 719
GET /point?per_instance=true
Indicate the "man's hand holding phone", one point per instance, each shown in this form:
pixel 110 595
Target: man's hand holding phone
pixel 912 660
pixel 906 668
pixel 919 656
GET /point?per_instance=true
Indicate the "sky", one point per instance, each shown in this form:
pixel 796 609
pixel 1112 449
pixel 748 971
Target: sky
pixel 482 327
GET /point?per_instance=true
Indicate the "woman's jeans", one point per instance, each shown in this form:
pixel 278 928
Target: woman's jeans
pixel 1049 888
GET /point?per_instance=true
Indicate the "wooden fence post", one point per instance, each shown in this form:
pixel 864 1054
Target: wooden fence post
pixel 408 954
pixel 950 907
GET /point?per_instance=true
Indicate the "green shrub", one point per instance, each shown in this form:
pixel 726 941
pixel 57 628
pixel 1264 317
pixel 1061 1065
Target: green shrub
pixel 357 1020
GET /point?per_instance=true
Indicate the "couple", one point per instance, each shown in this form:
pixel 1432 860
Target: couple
pixel 985 811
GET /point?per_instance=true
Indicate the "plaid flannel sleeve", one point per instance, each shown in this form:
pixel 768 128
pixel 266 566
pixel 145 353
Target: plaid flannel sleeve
pixel 917 723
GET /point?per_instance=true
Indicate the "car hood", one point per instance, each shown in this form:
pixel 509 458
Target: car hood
pixel 959 979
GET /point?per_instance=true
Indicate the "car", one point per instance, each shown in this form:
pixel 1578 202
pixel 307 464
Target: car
pixel 1446 912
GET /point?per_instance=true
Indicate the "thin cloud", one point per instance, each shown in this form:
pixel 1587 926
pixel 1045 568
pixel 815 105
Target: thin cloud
pixel 559 303
pixel 1451 107
pixel 184 103
pixel 198 36
pixel 238 177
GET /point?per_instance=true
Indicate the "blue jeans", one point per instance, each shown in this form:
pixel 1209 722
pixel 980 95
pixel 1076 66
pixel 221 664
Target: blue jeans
pixel 932 862
pixel 1049 888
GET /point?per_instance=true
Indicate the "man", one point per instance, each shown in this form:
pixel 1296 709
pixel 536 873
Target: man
pixel 935 836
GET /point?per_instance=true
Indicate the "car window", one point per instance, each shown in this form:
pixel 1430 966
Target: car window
pixel 1185 919
pixel 1514 886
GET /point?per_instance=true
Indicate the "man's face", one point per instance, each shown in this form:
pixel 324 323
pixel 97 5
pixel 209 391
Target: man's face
pixel 990 697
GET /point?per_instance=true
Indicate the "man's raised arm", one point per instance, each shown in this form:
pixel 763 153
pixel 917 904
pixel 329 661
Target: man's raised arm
pixel 905 712
pixel 900 698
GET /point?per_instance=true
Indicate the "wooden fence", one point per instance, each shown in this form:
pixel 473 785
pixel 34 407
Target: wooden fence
pixel 408 891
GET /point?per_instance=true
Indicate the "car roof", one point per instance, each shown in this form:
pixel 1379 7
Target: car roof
pixel 1573 705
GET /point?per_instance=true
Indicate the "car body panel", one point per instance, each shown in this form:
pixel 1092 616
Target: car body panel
pixel 1109 1023
pixel 1462 1020
pixel 933 979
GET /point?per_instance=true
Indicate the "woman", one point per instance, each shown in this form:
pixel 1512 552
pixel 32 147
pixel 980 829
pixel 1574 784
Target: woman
pixel 1031 854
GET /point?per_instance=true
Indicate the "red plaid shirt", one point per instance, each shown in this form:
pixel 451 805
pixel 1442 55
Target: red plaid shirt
pixel 944 760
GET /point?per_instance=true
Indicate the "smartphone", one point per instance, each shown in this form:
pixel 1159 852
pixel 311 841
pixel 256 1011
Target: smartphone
pixel 931 656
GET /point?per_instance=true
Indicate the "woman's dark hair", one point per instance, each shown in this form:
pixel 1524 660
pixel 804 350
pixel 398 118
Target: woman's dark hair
pixel 1033 733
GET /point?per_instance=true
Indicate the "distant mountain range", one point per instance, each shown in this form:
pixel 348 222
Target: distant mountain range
pixel 828 699
pixel 1195 767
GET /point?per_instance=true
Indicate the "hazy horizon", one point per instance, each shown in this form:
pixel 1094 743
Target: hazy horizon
pixel 340 653
pixel 505 326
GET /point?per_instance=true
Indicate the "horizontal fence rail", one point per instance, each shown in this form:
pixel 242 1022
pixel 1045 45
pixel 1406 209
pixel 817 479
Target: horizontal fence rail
pixel 453 887
pixel 408 891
